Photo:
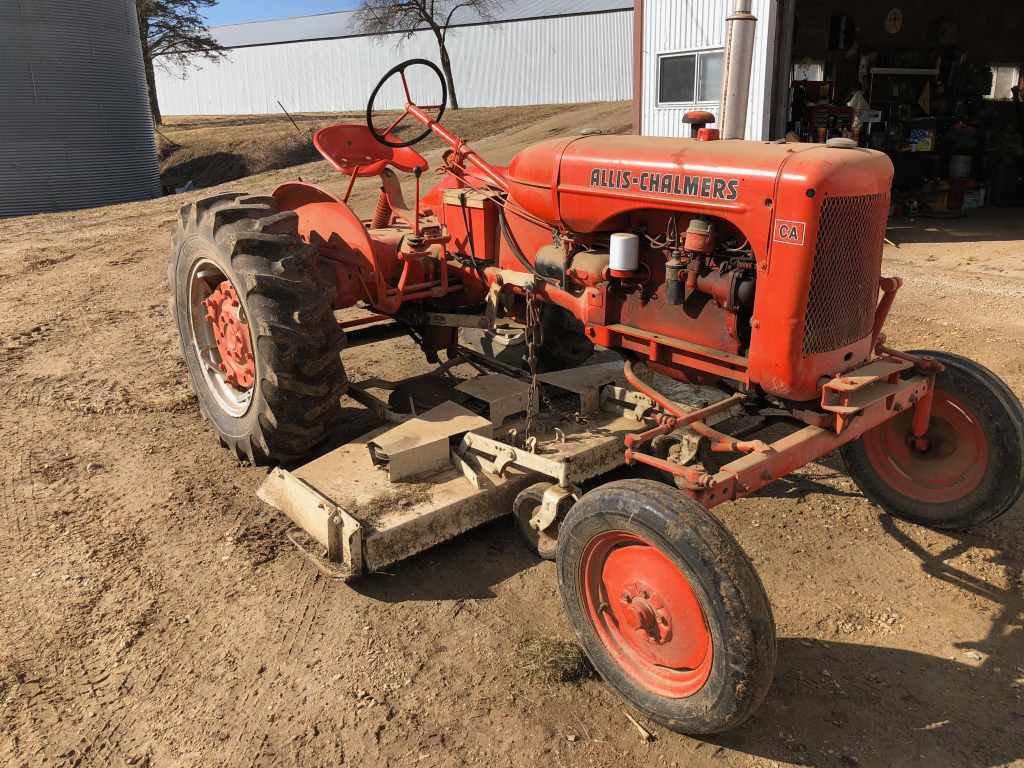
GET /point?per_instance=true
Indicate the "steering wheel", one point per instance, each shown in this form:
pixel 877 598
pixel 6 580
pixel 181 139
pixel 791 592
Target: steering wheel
pixel 383 137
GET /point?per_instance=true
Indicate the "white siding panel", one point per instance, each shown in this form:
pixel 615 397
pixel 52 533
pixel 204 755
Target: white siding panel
pixel 683 25
pixel 544 61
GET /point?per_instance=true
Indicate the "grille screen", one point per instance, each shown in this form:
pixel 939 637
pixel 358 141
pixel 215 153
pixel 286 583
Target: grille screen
pixel 847 265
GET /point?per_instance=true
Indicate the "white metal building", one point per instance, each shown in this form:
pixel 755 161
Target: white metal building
pixel 531 52
pixel 678 65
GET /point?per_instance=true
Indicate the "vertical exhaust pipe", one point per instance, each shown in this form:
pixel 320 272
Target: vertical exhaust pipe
pixel 739 55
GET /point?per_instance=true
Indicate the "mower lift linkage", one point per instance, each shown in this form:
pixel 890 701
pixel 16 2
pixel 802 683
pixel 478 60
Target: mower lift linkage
pixel 674 418
pixel 853 403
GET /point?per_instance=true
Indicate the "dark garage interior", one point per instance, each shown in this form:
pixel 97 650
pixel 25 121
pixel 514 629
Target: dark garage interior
pixel 935 85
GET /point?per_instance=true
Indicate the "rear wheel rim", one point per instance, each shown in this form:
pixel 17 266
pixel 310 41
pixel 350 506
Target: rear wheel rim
pixel 646 614
pixel 225 353
pixel 954 464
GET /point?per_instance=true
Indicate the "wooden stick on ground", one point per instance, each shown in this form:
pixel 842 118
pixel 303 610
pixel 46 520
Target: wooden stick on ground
pixel 644 733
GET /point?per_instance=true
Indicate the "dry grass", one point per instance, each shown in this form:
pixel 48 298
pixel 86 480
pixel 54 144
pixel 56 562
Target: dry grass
pixel 213 150
pixel 549 660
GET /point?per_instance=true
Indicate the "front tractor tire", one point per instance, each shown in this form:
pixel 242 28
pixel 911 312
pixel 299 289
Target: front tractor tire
pixel 257 331
pixel 666 605
pixel 972 469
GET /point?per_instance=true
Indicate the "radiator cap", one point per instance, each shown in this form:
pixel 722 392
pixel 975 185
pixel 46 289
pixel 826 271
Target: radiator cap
pixel 842 143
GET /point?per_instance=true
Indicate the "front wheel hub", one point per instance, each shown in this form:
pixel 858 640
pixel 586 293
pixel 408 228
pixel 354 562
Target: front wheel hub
pixel 231 333
pixel 646 613
pixel 941 467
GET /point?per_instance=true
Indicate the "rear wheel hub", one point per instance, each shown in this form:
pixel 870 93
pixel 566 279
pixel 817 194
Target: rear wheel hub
pixel 231 333
pixel 221 338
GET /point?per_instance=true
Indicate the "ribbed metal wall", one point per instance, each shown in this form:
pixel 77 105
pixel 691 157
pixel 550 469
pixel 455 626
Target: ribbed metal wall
pixel 543 61
pixel 676 26
pixel 75 126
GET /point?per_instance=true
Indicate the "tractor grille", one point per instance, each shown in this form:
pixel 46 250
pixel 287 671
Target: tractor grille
pixel 847 265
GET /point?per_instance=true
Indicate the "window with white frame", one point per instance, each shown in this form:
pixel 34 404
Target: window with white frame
pixel 689 77
pixel 1004 77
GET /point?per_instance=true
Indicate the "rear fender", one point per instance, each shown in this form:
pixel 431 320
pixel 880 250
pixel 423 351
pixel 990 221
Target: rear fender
pixel 327 223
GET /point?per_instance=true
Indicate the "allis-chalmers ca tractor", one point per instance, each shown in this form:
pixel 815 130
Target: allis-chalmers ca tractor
pixel 747 272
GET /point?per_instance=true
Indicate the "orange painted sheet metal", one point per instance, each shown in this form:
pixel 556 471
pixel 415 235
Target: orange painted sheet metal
pixel 774 195
pixel 600 177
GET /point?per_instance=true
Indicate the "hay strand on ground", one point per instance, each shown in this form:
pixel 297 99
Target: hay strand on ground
pixel 549 660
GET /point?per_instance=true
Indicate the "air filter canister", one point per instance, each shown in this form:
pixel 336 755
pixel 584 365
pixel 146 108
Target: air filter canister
pixel 624 252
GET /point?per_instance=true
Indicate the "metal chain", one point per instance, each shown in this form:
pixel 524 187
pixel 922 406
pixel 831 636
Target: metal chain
pixel 533 341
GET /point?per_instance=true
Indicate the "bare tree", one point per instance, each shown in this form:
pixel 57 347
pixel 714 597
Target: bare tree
pixel 175 32
pixel 382 17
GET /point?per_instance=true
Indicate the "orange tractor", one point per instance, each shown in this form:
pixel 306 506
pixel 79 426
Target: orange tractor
pixel 740 282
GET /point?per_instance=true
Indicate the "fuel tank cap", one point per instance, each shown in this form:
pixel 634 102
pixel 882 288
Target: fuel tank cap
pixel 840 142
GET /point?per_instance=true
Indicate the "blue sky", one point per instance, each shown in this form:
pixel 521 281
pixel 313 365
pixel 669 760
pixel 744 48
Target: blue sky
pixel 235 11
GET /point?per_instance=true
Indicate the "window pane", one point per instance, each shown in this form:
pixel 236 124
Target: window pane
pixel 676 78
pixel 709 82
pixel 1003 79
pixel 809 70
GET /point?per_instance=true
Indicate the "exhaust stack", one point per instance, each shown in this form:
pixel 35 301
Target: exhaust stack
pixel 739 55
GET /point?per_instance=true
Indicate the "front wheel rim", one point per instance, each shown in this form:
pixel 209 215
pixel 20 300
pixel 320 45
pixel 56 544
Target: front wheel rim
pixel 951 468
pixel 646 614
pixel 221 338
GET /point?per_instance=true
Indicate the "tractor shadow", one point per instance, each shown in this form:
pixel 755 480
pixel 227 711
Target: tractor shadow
pixel 1005 538
pixel 846 705
pixel 352 422
pixel 840 704
pixel 466 568
pixel 816 478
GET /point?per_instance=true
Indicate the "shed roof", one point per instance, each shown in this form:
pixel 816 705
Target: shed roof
pixel 325 26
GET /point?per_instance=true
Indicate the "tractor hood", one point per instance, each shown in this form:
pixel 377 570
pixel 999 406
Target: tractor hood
pixel 583 183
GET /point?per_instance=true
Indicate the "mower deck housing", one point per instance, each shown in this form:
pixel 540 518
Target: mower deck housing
pixel 403 488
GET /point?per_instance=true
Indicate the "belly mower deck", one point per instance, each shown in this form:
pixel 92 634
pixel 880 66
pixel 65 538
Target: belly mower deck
pixel 405 487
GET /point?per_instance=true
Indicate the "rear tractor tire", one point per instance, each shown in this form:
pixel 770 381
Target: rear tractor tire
pixel 667 606
pixel 972 470
pixel 256 326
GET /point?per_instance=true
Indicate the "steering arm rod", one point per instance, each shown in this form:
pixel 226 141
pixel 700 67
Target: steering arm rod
pixel 459 146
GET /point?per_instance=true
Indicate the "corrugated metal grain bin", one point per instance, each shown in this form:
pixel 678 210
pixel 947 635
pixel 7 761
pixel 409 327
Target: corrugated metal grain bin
pixel 75 126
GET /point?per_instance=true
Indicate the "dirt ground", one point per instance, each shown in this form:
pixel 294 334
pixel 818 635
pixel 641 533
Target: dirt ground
pixel 154 613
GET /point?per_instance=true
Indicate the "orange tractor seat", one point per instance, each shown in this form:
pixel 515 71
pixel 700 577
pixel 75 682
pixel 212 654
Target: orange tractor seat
pixel 352 149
